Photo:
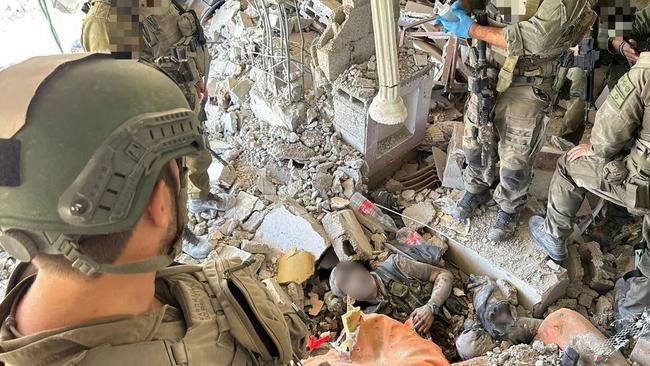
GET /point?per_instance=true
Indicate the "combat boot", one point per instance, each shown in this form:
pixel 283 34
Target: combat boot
pixel 218 202
pixel 469 203
pixel 503 226
pixel 554 247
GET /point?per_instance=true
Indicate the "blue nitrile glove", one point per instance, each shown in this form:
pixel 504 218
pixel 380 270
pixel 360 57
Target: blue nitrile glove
pixel 459 28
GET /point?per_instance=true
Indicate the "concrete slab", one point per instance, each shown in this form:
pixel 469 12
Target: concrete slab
pixel 518 261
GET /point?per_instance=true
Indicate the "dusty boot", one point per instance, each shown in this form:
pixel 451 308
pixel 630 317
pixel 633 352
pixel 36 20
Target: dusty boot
pixel 195 247
pixel 218 202
pixel 554 247
pixel 469 203
pixel 503 226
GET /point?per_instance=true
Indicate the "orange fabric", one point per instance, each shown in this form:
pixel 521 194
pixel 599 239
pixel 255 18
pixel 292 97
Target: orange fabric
pixel 385 341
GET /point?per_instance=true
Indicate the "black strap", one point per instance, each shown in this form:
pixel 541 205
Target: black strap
pixel 632 274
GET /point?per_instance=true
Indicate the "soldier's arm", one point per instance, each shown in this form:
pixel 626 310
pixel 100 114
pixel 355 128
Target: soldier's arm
pixel 619 118
pixel 542 31
pixel 94 32
pixel 641 24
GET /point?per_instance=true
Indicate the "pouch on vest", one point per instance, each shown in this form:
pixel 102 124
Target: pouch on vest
pixel 256 322
pixel 507 73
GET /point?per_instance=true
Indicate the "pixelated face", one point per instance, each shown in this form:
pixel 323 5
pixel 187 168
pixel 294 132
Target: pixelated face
pixel 511 7
pixel 618 15
pixel 355 281
pixel 125 25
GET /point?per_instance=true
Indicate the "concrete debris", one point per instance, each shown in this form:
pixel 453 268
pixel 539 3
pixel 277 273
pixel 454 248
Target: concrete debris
pixel 221 175
pixel 239 93
pixel 348 239
pixel 265 185
pixel 599 271
pixel 523 354
pixel 423 212
pixel 316 304
pixel 244 206
pixel 287 225
pixel 453 173
pixel 297 151
pixel 276 111
pixel 277 293
pixel 297 294
pixel 339 203
pixel 230 123
pixel 334 303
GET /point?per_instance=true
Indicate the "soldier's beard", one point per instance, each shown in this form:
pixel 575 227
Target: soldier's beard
pixel 172 232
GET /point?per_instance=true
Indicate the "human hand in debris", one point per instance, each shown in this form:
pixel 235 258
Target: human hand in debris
pixel 459 28
pixel 579 151
pixel 422 319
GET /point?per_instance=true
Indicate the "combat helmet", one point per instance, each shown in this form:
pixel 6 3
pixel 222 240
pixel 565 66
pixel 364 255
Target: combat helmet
pixel 83 139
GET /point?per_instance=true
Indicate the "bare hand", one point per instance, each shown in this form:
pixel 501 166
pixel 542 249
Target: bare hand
pixel 579 151
pixel 200 89
pixel 629 52
pixel 422 319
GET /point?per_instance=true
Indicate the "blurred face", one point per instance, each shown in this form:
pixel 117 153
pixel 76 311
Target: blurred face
pixel 355 281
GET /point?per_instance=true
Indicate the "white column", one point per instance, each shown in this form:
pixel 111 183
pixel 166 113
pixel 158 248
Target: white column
pixel 388 107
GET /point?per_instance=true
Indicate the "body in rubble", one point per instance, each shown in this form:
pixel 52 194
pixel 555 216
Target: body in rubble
pixel 400 287
pixel 494 302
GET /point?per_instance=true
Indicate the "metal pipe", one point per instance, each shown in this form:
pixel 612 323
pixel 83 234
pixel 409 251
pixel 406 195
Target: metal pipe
pixel 388 106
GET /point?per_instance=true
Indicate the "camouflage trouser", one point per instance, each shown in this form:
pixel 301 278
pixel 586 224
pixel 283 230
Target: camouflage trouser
pixel 198 181
pixel 573 122
pixel 572 181
pixel 519 123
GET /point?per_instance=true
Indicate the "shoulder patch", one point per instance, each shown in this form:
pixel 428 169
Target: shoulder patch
pixel 622 90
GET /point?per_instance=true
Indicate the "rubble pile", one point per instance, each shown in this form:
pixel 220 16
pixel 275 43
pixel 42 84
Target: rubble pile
pixel 523 354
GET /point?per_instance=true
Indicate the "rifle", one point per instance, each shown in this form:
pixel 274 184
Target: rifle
pixel 482 86
pixel 587 59
pixel 561 87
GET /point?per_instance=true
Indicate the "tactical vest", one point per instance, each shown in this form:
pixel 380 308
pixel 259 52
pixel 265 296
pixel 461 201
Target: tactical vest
pixel 175 40
pixel 544 65
pixel 229 319
pixel 401 295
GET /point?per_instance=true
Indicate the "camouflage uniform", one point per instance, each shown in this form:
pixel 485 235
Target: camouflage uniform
pixel 520 108
pixel 100 35
pixel 613 66
pixel 611 172
pixel 405 285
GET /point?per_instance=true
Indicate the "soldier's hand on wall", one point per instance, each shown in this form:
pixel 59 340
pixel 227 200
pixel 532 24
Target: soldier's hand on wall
pixel 579 151
pixel 422 320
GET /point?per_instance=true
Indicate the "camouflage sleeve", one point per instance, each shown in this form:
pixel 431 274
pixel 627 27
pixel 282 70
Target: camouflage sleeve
pixel 619 117
pixel 94 31
pixel 641 25
pixel 413 269
pixel 544 30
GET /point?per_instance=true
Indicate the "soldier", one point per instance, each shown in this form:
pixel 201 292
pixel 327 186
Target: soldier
pixel 528 63
pixel 91 182
pixel 605 168
pixel 400 287
pixel 171 38
pixel 621 54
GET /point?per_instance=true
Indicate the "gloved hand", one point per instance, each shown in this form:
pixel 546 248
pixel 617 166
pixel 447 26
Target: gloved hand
pixel 459 28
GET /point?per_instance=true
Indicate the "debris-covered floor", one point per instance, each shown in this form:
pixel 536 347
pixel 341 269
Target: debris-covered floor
pixel 288 115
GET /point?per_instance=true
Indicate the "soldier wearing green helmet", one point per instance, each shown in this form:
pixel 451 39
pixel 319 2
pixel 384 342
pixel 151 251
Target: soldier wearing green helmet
pixel 91 174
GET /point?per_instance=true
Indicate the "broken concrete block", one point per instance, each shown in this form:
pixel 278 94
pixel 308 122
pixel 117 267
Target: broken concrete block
pixel 297 294
pixel 599 273
pixel 573 265
pixel 244 206
pixel 254 221
pixel 230 123
pixel 453 175
pixel 239 93
pixel 348 239
pixel 223 16
pixel 288 225
pixel 264 185
pixel 221 175
pixel 278 295
pixel 255 247
pixel 424 212
pixel 322 182
pixel 587 297
pixel 274 112
pixel 339 203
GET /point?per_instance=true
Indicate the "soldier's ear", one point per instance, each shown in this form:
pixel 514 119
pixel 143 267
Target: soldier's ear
pixel 160 205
